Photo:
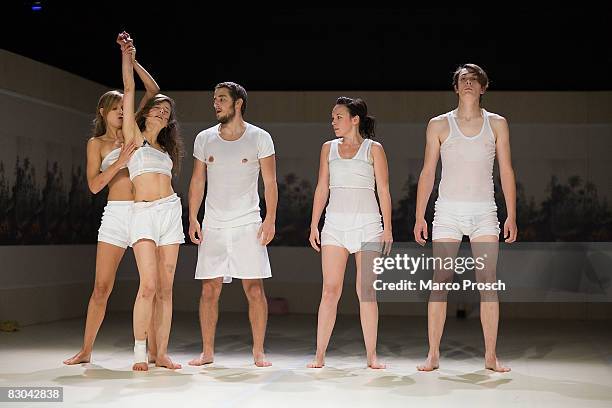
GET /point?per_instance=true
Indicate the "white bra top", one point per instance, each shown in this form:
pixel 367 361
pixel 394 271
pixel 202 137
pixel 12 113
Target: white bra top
pixel 147 159
pixel 357 172
pixel 110 158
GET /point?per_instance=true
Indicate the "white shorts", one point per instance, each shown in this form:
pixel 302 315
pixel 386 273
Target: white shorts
pixel 232 253
pixel 354 240
pixel 456 219
pixel 159 220
pixel 114 228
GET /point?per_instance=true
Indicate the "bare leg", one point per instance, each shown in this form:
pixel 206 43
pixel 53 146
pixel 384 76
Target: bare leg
pixel 258 316
pixel 146 259
pixel 209 314
pixel 368 309
pixel 333 261
pixel 166 265
pixel 108 257
pixel 151 335
pixel 489 304
pixel 436 308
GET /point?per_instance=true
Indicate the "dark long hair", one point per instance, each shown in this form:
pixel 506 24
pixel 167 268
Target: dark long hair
pixel 169 138
pixel 358 107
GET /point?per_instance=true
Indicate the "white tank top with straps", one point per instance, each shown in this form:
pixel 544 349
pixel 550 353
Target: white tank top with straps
pixel 467 165
pixel 352 200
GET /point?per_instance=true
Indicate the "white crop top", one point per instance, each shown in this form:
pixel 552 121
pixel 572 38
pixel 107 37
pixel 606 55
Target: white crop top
pixel 147 159
pixel 110 158
pixel 357 172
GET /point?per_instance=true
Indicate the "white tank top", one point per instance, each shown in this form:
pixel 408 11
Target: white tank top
pixel 352 200
pixel 357 172
pixel 147 159
pixel 110 158
pixel 467 164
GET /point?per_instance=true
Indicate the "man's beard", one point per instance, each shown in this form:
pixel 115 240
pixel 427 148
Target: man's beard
pixel 224 119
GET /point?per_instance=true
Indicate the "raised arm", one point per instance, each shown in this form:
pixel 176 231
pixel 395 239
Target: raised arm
pixel 506 173
pixel 427 177
pixel 320 197
pixel 151 87
pixel 130 130
pixel 381 173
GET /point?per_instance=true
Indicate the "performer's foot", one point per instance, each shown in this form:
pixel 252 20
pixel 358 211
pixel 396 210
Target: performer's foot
pixel 432 363
pixel 203 359
pixel 165 362
pixel 492 363
pixel 140 367
pixel 80 357
pixel 259 358
pixel 151 353
pixel 318 362
pixel 374 364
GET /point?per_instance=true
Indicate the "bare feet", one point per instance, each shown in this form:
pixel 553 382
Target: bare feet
pixel 432 363
pixel 494 364
pixel 164 361
pixel 78 358
pixel 203 359
pixel 140 367
pixel 319 362
pixel 259 358
pixel 374 364
pixel 151 358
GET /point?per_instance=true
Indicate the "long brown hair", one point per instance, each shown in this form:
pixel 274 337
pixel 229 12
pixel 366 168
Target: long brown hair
pixel 169 138
pixel 106 103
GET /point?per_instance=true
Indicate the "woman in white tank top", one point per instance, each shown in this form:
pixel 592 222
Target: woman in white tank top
pixel 156 229
pixel 107 159
pixel 352 168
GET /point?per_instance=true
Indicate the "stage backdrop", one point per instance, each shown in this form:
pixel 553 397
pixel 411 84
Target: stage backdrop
pixel 49 220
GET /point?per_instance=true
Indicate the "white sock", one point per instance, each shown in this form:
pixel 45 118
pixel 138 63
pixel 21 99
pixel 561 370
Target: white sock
pixel 140 351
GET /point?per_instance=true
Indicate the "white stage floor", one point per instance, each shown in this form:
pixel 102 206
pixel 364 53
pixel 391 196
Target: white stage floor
pixel 554 363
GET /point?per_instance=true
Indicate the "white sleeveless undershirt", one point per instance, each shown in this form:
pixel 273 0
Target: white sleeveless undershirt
pixel 352 200
pixel 467 164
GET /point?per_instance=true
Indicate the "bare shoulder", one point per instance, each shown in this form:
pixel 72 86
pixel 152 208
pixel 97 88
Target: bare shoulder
pixel 438 127
pixel 497 119
pixel 377 146
pixel 94 143
pixel 438 123
pixel 327 145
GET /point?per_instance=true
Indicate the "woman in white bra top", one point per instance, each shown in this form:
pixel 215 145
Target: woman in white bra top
pixel 106 166
pixel 352 168
pixel 156 229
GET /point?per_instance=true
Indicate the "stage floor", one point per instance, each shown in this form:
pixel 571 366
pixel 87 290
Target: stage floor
pixel 554 363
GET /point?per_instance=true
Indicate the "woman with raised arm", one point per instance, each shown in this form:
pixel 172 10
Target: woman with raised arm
pixel 156 229
pixel 107 157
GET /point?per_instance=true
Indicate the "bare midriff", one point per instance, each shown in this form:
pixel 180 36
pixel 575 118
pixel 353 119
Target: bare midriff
pixel 120 188
pixel 152 186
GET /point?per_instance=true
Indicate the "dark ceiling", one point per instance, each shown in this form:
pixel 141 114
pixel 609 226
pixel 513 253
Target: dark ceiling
pixel 192 47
